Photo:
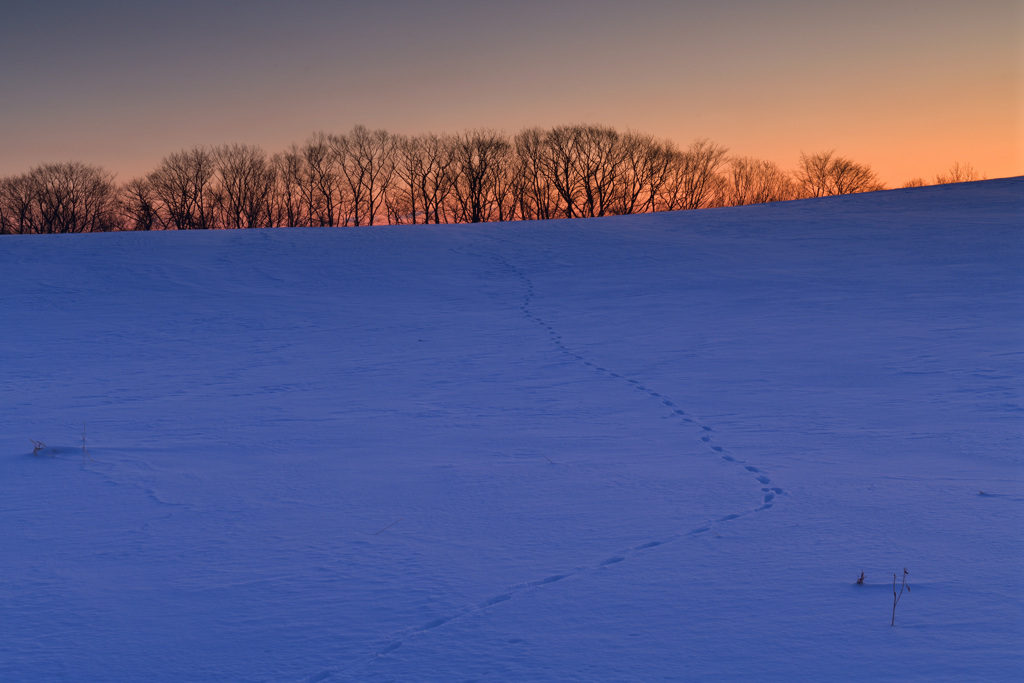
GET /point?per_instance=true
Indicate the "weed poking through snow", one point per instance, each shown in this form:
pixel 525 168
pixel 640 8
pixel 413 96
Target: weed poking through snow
pixel 895 597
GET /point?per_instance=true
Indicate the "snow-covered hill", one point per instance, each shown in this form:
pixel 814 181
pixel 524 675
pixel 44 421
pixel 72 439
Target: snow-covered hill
pixel 638 448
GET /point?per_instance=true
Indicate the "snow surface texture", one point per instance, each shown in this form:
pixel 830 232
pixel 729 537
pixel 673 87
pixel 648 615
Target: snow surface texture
pixel 637 448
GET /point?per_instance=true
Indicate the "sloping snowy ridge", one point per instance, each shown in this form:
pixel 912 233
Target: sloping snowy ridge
pixel 637 448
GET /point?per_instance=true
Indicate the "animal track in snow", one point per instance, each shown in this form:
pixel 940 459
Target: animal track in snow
pixel 436 622
pixel 667 401
pixel 497 599
pixel 770 493
pixel 551 579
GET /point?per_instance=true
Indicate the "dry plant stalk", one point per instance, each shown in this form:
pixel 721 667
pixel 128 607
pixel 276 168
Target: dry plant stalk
pixel 896 598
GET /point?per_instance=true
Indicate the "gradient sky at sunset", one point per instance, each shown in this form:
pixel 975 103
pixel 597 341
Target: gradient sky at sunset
pixel 908 86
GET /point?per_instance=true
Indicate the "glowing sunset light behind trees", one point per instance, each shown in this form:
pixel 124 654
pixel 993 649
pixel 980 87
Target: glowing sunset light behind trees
pixel 907 88
pixel 373 177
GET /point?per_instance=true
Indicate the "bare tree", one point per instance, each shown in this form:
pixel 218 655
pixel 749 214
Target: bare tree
pixel 507 182
pixel 79 198
pixel 367 163
pixel 814 174
pixel 6 218
pixel 404 203
pixel 824 174
pixel 693 180
pixel 851 177
pixel 436 179
pixel 321 188
pixel 139 205
pixel 18 215
pixel 582 163
pixel 183 188
pixel 245 186
pixel 288 207
pixel 559 166
pixel 480 159
pixel 959 173
pixel 537 197
pixel 643 173
pixel 421 185
pixel 599 165
pixel 756 181
pixel 700 164
pixel 60 198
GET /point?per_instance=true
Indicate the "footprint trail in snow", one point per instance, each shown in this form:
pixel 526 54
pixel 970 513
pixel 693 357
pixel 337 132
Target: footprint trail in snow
pixel 685 419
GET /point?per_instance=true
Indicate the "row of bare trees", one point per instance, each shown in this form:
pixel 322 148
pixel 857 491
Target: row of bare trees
pixel 957 173
pixel 60 198
pixel 369 177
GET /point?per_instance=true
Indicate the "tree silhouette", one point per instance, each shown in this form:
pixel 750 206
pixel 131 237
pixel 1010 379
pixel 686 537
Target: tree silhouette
pixel 958 173
pixel 60 198
pixel 244 189
pixel 756 181
pixel 480 159
pixel 824 174
pixel 366 177
pixel 182 186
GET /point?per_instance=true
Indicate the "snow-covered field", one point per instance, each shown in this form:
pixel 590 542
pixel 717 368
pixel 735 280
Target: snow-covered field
pixel 638 448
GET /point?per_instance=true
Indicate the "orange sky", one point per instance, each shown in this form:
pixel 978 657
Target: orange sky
pixel 907 86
